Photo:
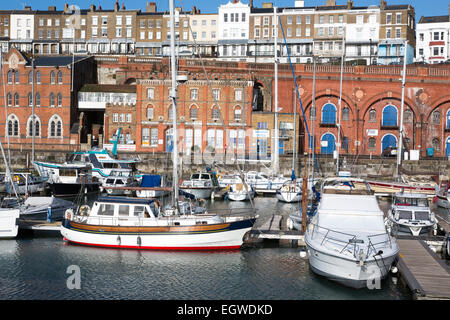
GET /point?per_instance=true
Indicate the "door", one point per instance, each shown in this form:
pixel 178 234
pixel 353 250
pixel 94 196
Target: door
pixel 327 143
pixel 388 140
pixel 261 147
pixel 169 140
pixel 447 147
pixel 281 147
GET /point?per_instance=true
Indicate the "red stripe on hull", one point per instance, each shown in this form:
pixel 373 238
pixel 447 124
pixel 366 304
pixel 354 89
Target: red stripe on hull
pixel 155 248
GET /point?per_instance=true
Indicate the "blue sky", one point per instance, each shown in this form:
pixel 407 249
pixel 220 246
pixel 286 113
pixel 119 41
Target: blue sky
pixel 422 7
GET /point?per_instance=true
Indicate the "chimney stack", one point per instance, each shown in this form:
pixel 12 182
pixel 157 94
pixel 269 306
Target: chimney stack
pixel 116 6
pixel 150 7
pixel 250 3
pixel 66 7
pixel 382 4
pixel 267 5
pixel 123 6
pixel 299 3
pixel 331 3
pixel 27 8
pixel 51 8
pixel 93 7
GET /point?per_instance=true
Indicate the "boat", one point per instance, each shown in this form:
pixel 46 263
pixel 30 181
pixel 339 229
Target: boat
pixel 153 186
pixel 68 179
pixel 9 223
pixel 387 187
pixel 410 214
pixel 39 208
pixel 200 184
pixel 295 219
pixel 118 181
pixel 347 240
pixel 25 183
pixel 442 197
pixel 240 192
pixel 134 223
pixel 290 191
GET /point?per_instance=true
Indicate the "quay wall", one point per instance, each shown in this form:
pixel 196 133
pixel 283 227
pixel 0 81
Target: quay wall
pixel 382 168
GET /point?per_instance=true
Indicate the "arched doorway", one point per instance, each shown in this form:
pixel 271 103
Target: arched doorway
pixel 447 147
pixel 169 140
pixel 327 143
pixel 388 140
pixel 258 97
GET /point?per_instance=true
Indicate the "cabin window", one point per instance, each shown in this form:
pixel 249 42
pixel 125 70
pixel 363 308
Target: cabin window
pixel 124 210
pixel 68 173
pixel 407 215
pixel 205 176
pixel 106 210
pixel 141 211
pixel 111 181
pixel 195 176
pixel 118 181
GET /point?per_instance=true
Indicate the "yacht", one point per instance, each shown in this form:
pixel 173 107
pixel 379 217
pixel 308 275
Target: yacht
pixel 201 185
pixel 290 191
pixel 258 180
pixel 347 240
pixel 240 192
pixel 9 222
pixel 121 222
pixel 118 181
pixel 68 179
pixel 25 183
pixel 442 197
pixel 410 214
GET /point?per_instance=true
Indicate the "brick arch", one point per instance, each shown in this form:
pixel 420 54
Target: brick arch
pixel 322 94
pixel 380 97
pixel 437 104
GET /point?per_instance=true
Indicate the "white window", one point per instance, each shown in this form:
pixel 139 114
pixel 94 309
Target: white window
pixel 154 137
pixel 266 21
pixel 216 94
pixel 298 19
pixel 49 22
pixel 83 22
pixel 398 18
pixel 145 136
pixel 256 32
pixel 119 20
pixel 128 20
pixel 94 21
pixel 104 32
pixel 298 32
pixel 359 19
pixel 129 117
pixel 128 32
pixel 158 35
pixel 83 34
pixel 115 117
pixel 388 18
pixel 41 22
pixel 150 35
pixel 238 94
pixel 257 21
pixel 118 32
pixel 142 35
pixel 289 20
pixel 122 117
pixel 307 32
pixel 150 93
pixel 194 94
pixel 150 113
pixel 94 32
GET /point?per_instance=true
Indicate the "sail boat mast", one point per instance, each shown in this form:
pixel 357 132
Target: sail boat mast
pixel 275 149
pixel 173 96
pixel 340 104
pixel 400 138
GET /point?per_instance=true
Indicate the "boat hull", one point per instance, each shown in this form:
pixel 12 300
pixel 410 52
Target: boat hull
pixel 388 187
pixel 72 189
pixel 289 196
pixel 9 223
pixel 348 271
pixel 201 237
pixel 198 192
pixel 151 193
pixel 443 202
pixel 239 196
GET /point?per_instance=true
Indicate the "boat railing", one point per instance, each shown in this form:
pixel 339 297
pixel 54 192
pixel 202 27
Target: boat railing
pixel 234 212
pixel 377 244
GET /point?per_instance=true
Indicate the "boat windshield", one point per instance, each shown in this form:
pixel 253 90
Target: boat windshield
pixel 205 176
pixel 195 176
pixel 407 201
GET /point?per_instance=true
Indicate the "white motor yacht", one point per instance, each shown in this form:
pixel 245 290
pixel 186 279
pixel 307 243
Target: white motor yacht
pixel 410 214
pixel 201 185
pixel 347 240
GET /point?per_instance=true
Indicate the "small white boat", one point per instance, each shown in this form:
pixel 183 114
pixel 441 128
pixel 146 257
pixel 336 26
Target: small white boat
pixel 290 191
pixel 410 214
pixel 132 223
pixel 121 178
pixel 25 183
pixel 240 192
pixel 201 185
pixel 347 239
pixel 442 197
pixel 9 223
pixel 295 219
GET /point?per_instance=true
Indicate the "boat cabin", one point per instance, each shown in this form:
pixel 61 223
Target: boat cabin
pixel 411 207
pixel 122 207
pixel 411 199
pixel 346 185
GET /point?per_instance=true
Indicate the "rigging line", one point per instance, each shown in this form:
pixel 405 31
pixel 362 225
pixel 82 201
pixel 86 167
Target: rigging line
pixel 295 81
pixel 227 135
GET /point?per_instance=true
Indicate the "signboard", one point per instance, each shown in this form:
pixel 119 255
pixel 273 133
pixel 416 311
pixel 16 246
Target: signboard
pixel 121 147
pixel 324 143
pixel 372 132
pixel 261 133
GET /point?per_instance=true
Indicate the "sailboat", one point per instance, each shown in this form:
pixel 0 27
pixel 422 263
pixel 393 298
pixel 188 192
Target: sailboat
pixel 121 222
pixel 9 217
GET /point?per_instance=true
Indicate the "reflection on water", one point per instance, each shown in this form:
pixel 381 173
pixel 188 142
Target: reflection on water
pixel 36 268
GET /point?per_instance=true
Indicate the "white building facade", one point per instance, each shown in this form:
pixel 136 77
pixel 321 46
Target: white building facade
pixel 22 31
pixel 433 39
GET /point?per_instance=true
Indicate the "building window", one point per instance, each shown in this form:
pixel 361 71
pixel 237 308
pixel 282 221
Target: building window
pixel 13 126
pixel 30 77
pixel 372 115
pixel 30 99
pixel 9 99
pixel 150 113
pixel 389 116
pixel 60 77
pixel 150 93
pixel 52 77
pixel 38 99
pixel 16 99
pixel 436 117
pixel 37 127
pixel 237 114
pixel 436 144
pixel 329 114
pixel 216 94
pixel 215 113
pixel 52 100
pixel 238 94
pixel 345 114
pixel 193 113
pixel 388 18
pixel 154 137
pixel 407 116
pixel 194 94
pixel 17 77
pixel 38 76
pixel 59 100
pixel 371 143
pixel 55 127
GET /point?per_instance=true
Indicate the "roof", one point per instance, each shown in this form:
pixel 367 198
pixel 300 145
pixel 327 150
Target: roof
pixel 141 201
pixel 435 19
pixel 56 61
pixel 340 205
pixel 123 88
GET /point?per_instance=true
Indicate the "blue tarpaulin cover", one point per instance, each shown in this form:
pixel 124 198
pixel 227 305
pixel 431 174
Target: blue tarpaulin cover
pixel 151 180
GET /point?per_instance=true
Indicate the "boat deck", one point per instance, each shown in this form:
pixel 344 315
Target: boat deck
pixel 40 225
pixel 426 275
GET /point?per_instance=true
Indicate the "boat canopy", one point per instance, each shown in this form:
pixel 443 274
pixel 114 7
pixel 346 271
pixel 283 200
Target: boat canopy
pixel 151 180
pixel 351 213
pixel 127 200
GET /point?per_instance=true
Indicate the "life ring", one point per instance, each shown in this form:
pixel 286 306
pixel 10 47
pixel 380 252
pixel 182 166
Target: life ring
pixel 84 210
pixel 16 178
pixel 69 213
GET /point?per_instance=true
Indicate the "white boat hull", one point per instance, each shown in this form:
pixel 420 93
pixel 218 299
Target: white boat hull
pixel 240 196
pixel 229 239
pixel 199 192
pixel 151 193
pixel 289 196
pixel 348 271
pixel 9 222
pixel 443 202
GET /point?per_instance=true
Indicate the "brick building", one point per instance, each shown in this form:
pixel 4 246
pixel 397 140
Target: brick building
pixel 50 89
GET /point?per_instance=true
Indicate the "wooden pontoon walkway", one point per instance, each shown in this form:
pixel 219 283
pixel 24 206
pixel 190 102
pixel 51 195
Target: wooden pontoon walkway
pixel 40 225
pixel 273 229
pixel 427 276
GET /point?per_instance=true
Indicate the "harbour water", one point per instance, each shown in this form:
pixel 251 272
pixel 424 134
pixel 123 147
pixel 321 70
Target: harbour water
pixel 38 267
